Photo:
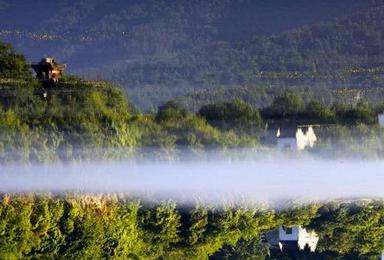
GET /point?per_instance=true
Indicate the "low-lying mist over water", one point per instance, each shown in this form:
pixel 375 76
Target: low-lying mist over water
pixel 213 181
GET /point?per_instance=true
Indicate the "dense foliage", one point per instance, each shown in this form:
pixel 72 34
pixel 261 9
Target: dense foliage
pixel 232 115
pixel 12 64
pixel 81 226
pixel 290 106
pixel 260 96
pixel 76 120
pixel 39 124
pixel 79 119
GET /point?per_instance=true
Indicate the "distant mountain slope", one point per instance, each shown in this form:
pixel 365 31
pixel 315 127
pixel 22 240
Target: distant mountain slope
pixel 161 49
pixel 93 32
pixel 347 52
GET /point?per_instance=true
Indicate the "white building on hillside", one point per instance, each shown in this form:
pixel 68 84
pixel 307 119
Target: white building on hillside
pixel 381 119
pixel 292 238
pixel 296 139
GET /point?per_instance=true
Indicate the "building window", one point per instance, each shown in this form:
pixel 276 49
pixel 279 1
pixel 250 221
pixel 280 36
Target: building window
pixel 288 231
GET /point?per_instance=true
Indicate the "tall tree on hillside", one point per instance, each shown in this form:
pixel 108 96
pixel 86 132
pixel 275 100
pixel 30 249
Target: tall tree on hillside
pixel 12 64
pixel 288 104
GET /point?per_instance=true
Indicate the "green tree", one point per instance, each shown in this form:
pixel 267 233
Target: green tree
pixel 170 111
pixel 12 64
pixel 232 115
pixel 316 111
pixel 288 104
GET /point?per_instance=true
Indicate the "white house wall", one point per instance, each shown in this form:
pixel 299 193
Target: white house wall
pixel 283 236
pixel 307 238
pixel 305 140
pixel 299 141
pixel 302 237
pixel 381 119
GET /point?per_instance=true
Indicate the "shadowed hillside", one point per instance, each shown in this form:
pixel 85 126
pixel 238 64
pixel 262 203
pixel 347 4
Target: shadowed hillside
pixel 157 50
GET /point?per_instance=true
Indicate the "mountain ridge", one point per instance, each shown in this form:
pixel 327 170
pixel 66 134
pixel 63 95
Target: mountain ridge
pixel 159 50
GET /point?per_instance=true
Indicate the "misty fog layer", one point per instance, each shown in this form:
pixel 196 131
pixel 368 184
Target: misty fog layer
pixel 212 181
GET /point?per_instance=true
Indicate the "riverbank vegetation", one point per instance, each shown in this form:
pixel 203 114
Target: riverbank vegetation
pixel 109 226
pixel 77 119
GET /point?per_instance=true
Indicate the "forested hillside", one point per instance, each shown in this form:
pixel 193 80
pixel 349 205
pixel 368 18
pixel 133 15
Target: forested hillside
pixel 260 96
pixel 157 50
pixel 76 119
pixel 155 28
pixel 346 52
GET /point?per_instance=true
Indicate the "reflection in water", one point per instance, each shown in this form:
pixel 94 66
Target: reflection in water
pixel 100 226
pixel 195 209
pixel 292 238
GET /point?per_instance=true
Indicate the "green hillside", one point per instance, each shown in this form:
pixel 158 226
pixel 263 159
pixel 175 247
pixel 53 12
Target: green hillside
pixel 76 119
